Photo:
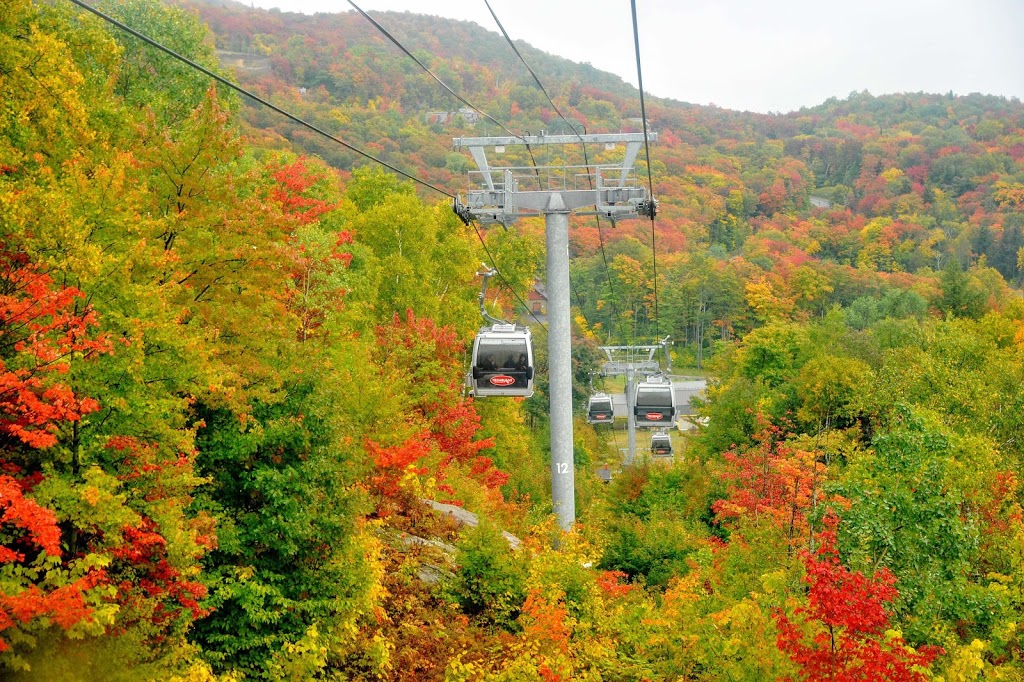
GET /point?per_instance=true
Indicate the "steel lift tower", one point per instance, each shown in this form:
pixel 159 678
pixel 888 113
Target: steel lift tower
pixel 501 195
pixel 633 360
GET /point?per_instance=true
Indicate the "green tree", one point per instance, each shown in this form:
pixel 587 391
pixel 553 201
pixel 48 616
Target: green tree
pixel 408 256
pixel 958 297
pixel 906 512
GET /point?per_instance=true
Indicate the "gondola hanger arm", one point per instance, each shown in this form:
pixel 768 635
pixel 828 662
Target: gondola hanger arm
pixel 487 273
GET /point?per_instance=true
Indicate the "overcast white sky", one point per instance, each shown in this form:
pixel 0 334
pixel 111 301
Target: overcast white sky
pixel 760 55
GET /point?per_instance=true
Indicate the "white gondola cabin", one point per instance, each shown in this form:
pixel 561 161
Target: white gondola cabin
pixel 654 403
pixel 502 362
pixel 661 445
pixel 599 409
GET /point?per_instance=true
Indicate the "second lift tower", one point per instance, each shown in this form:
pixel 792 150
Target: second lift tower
pixel 501 195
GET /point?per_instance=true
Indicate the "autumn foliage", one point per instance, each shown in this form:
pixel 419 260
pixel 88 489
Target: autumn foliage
pixel 774 482
pixel 232 363
pixel 43 326
pixel 37 530
pixel 428 357
pixel 41 329
pixel 151 584
pixel 841 634
pixel 295 191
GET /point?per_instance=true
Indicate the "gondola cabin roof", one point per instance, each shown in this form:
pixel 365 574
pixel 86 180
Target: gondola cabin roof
pixel 655 391
pixel 502 328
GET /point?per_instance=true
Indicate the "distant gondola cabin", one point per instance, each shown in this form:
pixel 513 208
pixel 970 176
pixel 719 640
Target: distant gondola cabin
pixel 502 362
pixel 654 403
pixel 599 409
pixel 661 445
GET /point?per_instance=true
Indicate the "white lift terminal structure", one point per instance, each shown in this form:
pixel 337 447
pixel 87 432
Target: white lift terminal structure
pixel 502 195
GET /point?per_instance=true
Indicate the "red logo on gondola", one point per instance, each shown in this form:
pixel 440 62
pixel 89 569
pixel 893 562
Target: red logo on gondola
pixel 654 416
pixel 502 380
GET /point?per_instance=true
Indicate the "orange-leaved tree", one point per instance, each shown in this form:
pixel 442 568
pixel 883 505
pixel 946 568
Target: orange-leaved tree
pixel 773 481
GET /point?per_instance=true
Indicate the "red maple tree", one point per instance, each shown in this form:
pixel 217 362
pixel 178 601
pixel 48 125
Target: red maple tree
pixel 34 528
pixel 841 634
pixel 41 327
pixel 151 584
pixel 296 191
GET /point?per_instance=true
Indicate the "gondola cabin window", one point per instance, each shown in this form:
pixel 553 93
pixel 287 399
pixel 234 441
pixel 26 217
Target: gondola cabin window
pixel 654 397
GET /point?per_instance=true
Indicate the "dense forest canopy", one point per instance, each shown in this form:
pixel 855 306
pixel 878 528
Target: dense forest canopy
pixel 869 193
pixel 232 355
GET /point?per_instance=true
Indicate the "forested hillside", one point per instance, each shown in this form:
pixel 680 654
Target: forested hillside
pixel 790 213
pixel 233 353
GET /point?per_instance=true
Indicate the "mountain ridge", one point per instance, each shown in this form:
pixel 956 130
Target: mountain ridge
pixel 401 23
